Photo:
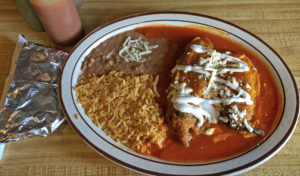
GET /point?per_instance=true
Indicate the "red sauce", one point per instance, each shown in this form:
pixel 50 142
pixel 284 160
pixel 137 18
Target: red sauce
pixel 203 148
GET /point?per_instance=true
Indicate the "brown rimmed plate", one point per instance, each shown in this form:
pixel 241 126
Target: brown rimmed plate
pixel 99 141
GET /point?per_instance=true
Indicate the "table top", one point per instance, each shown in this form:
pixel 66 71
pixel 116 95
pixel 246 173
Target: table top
pixel 277 22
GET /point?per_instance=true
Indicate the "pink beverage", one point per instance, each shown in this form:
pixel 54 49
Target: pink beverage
pixel 60 19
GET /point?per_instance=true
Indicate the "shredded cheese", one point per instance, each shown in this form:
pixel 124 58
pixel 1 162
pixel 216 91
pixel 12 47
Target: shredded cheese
pixel 133 50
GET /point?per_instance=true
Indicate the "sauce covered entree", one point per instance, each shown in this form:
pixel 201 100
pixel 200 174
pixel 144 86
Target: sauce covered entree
pixel 179 93
pixel 210 87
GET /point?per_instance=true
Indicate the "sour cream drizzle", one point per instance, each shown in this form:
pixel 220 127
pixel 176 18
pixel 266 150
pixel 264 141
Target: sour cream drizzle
pixel 183 101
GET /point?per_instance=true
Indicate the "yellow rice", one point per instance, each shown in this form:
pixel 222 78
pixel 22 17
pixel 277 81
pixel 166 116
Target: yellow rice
pixel 124 107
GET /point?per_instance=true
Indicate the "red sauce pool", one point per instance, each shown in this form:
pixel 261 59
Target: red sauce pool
pixel 269 105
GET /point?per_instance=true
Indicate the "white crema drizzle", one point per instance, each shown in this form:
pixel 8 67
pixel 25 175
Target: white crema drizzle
pixel 211 67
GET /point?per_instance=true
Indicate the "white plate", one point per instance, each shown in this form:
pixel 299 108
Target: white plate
pixel 99 141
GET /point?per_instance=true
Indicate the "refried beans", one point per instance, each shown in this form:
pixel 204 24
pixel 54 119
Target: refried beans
pixel 105 57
